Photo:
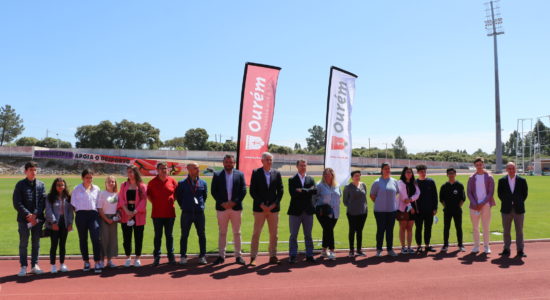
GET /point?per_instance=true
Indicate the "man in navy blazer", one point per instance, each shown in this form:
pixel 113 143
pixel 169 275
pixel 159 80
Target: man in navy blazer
pixel 229 190
pixel 512 192
pixel 300 211
pixel 266 188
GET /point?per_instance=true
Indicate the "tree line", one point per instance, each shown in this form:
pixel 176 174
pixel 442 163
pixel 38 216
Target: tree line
pixel 131 135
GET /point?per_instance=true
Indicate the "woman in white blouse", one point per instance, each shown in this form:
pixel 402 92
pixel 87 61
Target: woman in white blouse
pixel 84 200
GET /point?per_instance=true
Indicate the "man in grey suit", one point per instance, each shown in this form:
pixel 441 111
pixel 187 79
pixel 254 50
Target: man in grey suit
pixel 512 191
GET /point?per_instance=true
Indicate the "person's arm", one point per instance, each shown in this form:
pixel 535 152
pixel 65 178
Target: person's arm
pixel 462 196
pixel 50 216
pixel 149 192
pixel 525 190
pixel 214 189
pixel 104 217
pixel 345 196
pixel 253 185
pixel 69 212
pixel 434 196
pixel 373 191
pixel 18 201
pixel 280 189
pixel 205 191
pixel 178 196
pixel 41 199
pixel 242 188
pixel 292 188
pixel 471 192
pixel 141 206
pixel 442 195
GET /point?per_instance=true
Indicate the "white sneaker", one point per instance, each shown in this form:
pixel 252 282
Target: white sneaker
pixel 22 272
pixel 392 253
pixel 324 253
pixel 110 264
pixel 36 270
pixel 378 253
pixel 487 250
pixel 137 263
pixel 475 249
pixel 128 262
pixel 54 269
pixel 64 268
pixel 100 265
pixel 202 260
pixel 183 260
pixel 331 255
pixel 462 249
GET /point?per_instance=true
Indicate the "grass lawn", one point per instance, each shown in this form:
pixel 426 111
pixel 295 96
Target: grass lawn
pixel 536 221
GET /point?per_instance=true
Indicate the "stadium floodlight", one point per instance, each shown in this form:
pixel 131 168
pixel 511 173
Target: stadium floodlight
pixel 493 25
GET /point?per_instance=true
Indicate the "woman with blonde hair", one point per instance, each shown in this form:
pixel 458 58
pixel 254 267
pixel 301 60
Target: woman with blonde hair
pixel 107 206
pixel 327 210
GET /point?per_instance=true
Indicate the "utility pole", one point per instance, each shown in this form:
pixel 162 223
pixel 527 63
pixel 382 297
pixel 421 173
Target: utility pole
pixel 493 25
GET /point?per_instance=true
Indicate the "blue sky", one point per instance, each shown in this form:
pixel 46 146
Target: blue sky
pixel 425 67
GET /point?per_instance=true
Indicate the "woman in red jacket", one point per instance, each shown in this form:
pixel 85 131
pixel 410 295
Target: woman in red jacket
pixel 132 204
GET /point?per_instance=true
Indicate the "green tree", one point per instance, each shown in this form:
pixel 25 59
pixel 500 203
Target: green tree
pixel 130 135
pixel 509 148
pixel 196 138
pixel 27 141
pixel 175 143
pixel 11 124
pixel 273 148
pixel 213 146
pixel 399 149
pixel 50 142
pixel 316 139
pixel 96 136
pixel 229 145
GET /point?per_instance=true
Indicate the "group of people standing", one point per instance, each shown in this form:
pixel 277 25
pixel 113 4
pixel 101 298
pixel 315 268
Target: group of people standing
pixel 410 201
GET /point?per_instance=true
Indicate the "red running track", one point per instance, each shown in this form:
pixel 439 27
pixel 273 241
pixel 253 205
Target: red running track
pixel 451 275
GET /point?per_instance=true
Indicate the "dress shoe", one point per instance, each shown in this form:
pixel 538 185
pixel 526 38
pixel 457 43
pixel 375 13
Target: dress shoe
pixel 239 260
pixel 273 260
pixel 218 261
pixel 521 254
pixel 292 260
pixel 505 252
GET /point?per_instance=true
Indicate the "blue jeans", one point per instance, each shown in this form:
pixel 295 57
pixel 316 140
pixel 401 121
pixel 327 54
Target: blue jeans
pixel 385 222
pixel 24 233
pixel 88 221
pixel 294 223
pixel 188 219
pixel 168 225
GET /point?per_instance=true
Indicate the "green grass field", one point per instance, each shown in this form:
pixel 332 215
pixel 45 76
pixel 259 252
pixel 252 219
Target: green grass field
pixel 536 221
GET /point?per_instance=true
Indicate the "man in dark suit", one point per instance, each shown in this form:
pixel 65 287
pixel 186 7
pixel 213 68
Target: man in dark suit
pixel 266 188
pixel 301 210
pixel 229 189
pixel 512 192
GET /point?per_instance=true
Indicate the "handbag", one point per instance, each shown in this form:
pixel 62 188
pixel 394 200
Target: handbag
pixel 402 216
pixel 45 232
pixel 323 210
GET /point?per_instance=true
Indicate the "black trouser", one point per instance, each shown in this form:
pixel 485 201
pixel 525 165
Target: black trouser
pixel 88 221
pixel 166 224
pixel 59 236
pixel 327 224
pixel 427 220
pixel 188 219
pixel 356 224
pixel 385 221
pixel 447 217
pixel 127 238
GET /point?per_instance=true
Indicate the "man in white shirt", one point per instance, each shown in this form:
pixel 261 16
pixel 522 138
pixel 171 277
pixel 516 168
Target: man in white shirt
pixel 229 190
pixel 481 187
pixel 512 192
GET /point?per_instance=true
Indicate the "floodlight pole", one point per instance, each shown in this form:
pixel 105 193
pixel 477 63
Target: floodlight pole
pixel 498 150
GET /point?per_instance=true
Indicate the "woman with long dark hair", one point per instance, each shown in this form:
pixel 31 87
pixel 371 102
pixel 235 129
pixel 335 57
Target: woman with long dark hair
pixel 132 204
pixel 59 217
pixel 408 193
pixel 384 192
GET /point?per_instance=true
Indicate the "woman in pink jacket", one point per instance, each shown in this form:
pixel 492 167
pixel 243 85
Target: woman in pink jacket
pixel 132 204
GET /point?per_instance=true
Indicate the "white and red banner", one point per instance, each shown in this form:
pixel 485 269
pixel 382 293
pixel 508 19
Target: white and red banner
pixel 341 94
pixel 256 116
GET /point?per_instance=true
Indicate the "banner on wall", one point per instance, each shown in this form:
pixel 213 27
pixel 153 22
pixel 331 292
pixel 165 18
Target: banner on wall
pixel 147 167
pixel 256 115
pixel 341 93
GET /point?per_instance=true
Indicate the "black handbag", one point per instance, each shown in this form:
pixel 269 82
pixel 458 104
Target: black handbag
pixel 323 210
pixel 45 232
